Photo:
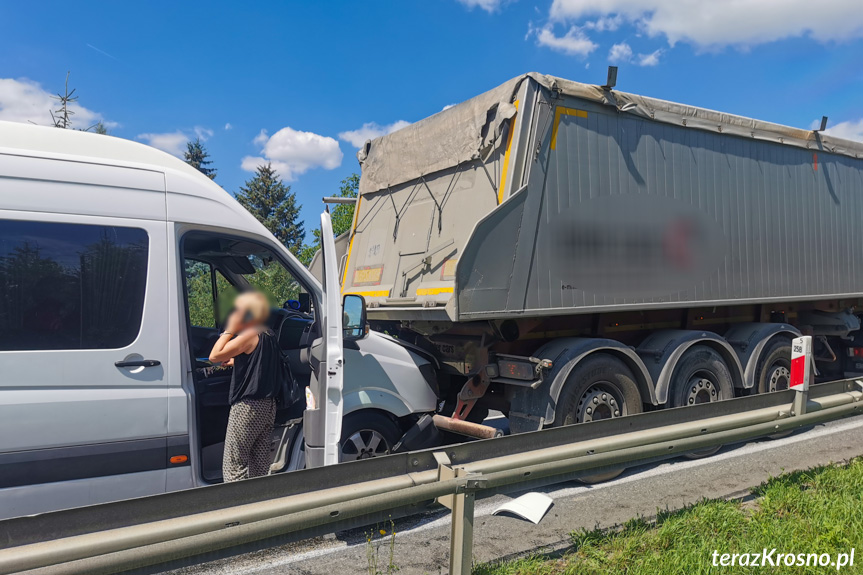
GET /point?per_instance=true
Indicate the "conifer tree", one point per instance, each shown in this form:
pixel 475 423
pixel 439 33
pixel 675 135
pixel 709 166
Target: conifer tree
pixel 274 205
pixel 196 155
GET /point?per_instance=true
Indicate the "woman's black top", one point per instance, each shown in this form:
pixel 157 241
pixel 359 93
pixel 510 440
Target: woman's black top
pixel 256 375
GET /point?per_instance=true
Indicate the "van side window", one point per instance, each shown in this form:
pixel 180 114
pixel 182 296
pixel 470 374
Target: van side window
pixel 225 295
pixel 206 308
pixel 70 286
pixel 199 292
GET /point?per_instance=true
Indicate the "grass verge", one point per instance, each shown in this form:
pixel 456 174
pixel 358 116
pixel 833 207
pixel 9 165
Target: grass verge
pixel 815 511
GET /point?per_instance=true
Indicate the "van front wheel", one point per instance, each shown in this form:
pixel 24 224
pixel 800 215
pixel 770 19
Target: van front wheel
pixel 367 434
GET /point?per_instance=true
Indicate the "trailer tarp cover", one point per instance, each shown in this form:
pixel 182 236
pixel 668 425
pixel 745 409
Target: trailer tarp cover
pixel 474 128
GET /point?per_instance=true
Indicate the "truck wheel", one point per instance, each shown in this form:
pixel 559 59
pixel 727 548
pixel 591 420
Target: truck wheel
pixel 367 434
pixel 774 366
pixel 600 387
pixel 700 376
pixel 774 371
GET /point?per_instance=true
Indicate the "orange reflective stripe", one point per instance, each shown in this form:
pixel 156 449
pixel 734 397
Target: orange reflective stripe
pixel 506 157
pixel 373 293
pixel 434 291
pixel 351 243
pixel 561 111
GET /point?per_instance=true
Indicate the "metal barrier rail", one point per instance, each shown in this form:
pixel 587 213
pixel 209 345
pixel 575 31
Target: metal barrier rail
pixel 180 528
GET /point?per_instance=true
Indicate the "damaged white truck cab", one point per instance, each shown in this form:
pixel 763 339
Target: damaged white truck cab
pixel 118 264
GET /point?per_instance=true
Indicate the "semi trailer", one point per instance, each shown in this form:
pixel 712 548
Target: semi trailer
pixel 571 252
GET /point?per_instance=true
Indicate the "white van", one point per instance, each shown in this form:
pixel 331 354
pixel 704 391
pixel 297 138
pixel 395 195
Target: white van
pixel 118 264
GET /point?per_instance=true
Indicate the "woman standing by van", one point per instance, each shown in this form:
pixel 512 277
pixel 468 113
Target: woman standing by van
pixel 254 386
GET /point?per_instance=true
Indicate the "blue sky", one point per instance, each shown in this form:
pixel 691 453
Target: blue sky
pixel 303 83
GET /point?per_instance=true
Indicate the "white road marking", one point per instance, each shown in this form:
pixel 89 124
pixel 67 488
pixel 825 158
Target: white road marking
pixel 486 508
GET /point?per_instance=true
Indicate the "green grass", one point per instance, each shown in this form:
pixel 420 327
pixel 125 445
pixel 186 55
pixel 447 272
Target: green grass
pixel 815 511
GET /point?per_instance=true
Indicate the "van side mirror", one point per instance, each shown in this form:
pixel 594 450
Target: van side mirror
pixel 305 302
pixel 354 316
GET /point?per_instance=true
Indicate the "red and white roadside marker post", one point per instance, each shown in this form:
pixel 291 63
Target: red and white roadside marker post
pixel 801 372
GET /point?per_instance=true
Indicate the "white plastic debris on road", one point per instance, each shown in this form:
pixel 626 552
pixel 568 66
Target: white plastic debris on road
pixel 530 506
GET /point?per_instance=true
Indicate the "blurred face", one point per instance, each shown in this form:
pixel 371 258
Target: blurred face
pixel 253 309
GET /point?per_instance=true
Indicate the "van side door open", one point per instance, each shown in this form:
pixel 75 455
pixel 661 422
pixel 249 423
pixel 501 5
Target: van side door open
pixel 323 417
pixel 217 267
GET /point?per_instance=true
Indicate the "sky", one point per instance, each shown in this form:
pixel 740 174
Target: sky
pixel 303 84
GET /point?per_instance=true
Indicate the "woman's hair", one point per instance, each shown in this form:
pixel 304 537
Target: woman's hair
pixel 255 303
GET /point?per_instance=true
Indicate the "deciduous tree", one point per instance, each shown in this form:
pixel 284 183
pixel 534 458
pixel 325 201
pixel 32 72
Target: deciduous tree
pixel 342 217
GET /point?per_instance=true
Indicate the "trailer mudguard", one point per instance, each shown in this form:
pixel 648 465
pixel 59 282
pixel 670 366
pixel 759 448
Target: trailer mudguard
pixel 661 351
pixel 533 409
pixel 748 339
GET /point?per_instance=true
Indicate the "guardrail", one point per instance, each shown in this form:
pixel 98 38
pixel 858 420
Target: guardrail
pixel 186 527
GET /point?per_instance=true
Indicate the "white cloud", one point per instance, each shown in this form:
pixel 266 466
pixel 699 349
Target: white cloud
pixel 850 130
pixel 172 142
pixel 605 24
pixel 251 163
pixel 575 42
pixel 651 59
pixel 24 100
pixel 293 152
pixel 711 24
pixel 175 142
pixel 370 131
pixel 620 53
pixel 228 126
pixel 487 5
pixel 261 138
pixel 447 107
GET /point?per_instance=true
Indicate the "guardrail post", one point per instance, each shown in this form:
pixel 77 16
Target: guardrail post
pixel 801 372
pixel 461 504
pixel 461 531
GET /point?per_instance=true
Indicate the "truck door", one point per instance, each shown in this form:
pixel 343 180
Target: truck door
pixel 322 420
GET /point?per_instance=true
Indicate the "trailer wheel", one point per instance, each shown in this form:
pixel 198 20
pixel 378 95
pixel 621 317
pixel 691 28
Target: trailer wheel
pixel 367 434
pixel 700 376
pixel 774 366
pixel 600 387
pixel 773 371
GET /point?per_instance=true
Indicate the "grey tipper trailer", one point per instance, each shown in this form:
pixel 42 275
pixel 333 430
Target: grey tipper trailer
pixel 571 252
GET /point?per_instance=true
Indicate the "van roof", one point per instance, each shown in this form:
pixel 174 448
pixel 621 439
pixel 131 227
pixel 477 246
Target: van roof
pixel 28 137
pixel 218 208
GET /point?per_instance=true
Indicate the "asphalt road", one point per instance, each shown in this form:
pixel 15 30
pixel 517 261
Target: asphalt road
pixel 422 542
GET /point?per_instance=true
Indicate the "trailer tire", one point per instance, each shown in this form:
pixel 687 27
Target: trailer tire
pixel 774 366
pixel 599 387
pixel 773 371
pixel 701 376
pixel 367 434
